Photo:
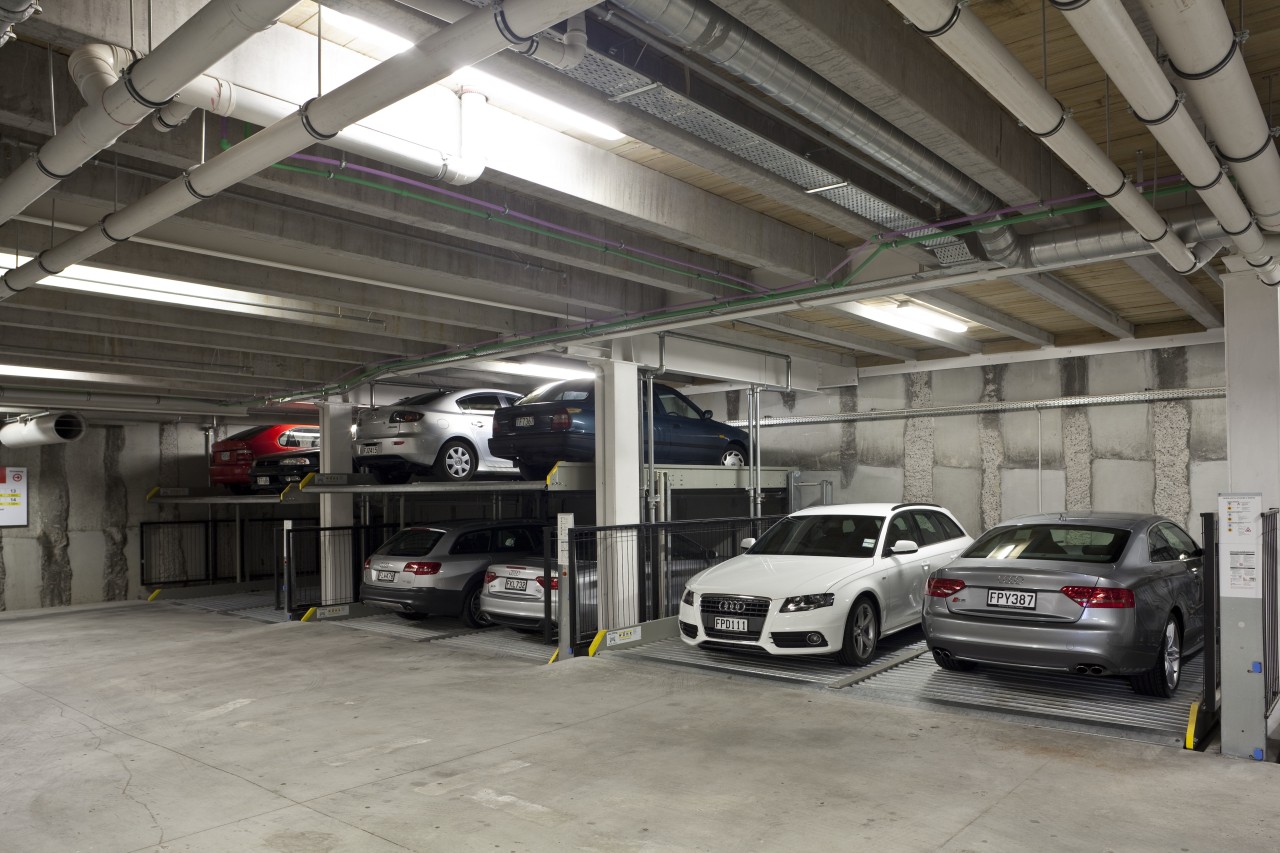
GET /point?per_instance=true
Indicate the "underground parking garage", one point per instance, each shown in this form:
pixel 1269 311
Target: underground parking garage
pixel 330 330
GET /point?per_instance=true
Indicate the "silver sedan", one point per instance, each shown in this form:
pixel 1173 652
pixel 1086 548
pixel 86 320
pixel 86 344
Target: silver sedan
pixel 1093 594
pixel 445 433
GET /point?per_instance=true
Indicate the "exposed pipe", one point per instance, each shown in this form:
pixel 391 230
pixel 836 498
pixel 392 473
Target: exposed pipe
pixel 147 84
pixel 1205 52
pixel 473 38
pixel 50 428
pixel 1109 33
pixel 224 98
pixel 15 12
pixel 564 54
pixel 731 45
pixel 964 38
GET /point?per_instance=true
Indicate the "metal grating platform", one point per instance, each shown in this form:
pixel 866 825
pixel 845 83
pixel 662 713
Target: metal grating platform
pixel 226 603
pixel 809 670
pixel 393 626
pixel 1103 706
pixel 502 641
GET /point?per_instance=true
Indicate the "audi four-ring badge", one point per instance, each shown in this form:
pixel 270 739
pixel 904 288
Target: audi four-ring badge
pixel 823 581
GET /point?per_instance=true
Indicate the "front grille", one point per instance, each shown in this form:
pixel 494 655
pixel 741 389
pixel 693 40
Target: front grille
pixel 728 605
pixel 690 631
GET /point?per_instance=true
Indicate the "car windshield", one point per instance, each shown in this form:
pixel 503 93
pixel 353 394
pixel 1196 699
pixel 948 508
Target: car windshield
pixel 1075 543
pixel 822 536
pixel 246 434
pixel 411 543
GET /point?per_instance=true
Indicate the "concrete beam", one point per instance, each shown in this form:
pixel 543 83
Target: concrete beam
pixel 972 309
pixel 1181 292
pixel 1054 290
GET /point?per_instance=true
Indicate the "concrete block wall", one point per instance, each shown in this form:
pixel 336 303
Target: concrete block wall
pixel 86 500
pixel 1164 457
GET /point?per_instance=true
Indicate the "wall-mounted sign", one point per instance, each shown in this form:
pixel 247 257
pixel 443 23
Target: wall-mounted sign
pixel 13 497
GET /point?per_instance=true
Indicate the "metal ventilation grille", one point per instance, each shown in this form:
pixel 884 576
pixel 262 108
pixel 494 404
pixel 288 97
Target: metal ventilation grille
pixel 618 82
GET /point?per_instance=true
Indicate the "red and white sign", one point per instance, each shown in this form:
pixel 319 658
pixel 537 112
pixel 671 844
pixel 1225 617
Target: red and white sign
pixel 13 497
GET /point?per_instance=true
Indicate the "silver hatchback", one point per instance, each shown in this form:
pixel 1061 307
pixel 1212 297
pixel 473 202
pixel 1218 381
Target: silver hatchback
pixel 439 568
pixel 445 433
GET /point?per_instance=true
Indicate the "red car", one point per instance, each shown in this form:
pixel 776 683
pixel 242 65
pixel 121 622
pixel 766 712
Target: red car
pixel 231 459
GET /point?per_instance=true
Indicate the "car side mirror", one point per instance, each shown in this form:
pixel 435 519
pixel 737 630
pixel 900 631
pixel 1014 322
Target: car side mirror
pixel 904 546
pixel 747 543
pixel 706 414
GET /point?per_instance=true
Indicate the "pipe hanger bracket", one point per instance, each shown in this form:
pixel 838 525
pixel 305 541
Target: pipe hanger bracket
pixel 127 77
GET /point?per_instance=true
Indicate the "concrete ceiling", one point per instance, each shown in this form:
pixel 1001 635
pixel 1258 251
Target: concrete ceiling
pixel 567 241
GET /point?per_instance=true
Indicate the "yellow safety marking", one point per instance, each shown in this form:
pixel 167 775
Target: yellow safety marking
pixel 309 615
pixel 1191 725
pixel 155 490
pixel 286 491
pixel 153 596
pixel 551 473
pixel 554 655
pixel 595 644
pixel 306 481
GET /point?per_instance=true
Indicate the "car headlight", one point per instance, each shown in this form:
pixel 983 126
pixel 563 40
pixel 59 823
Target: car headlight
pixel 297 460
pixel 796 603
pixel 687 598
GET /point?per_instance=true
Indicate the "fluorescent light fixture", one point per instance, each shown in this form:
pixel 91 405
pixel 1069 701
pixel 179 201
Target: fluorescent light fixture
pixel 387 44
pixel 929 317
pixel 828 187
pixel 531 369
pixel 506 94
pixel 71 375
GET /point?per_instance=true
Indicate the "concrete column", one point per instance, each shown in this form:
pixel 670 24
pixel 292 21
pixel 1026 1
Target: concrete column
pixel 1253 464
pixel 335 510
pixel 618 446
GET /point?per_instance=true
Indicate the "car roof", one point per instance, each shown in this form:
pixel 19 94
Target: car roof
pixel 472 524
pixel 1121 520
pixel 865 509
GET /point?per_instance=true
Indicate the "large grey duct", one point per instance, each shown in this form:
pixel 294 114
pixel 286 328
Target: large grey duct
pixel 725 41
pixel 1116 238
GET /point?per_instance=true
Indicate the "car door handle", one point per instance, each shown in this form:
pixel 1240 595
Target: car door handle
pixel 477 424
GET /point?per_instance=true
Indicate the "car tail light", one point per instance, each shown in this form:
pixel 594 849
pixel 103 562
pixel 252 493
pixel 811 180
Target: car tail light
pixel 490 577
pixel 403 417
pixel 244 455
pixel 943 587
pixel 423 568
pixel 366 563
pixel 542 582
pixel 561 420
pixel 1099 596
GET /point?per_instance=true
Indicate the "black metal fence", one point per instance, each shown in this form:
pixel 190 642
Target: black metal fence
pixel 187 553
pixel 310 551
pixel 627 574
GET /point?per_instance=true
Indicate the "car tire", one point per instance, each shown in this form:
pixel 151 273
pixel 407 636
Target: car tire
pixel 734 456
pixel 1166 673
pixel 471 614
pixel 530 471
pixel 953 664
pixel 861 633
pixel 411 615
pixel 456 461
pixel 391 475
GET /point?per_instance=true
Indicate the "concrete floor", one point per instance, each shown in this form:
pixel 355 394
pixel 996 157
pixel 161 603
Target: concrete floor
pixel 156 727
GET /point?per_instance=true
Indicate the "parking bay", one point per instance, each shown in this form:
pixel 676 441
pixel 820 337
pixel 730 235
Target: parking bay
pixel 903 674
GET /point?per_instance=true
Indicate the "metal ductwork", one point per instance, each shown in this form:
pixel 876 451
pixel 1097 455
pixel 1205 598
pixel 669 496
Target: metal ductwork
pixel 51 428
pixel 472 39
pixel 1109 33
pixel 15 12
pixel 146 85
pixel 715 35
pixel 1205 53
pixel 1114 239
pixel 962 36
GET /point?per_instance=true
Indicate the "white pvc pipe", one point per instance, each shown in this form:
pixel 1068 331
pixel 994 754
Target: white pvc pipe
pixel 475 37
pixel 1198 37
pixel 204 38
pixel 962 36
pixel 1109 33
pixel 53 428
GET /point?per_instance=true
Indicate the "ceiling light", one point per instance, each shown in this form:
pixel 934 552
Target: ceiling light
pixel 928 317
pixel 828 187
pixel 385 43
pixel 515 99
pixel 531 369
pixel 71 375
